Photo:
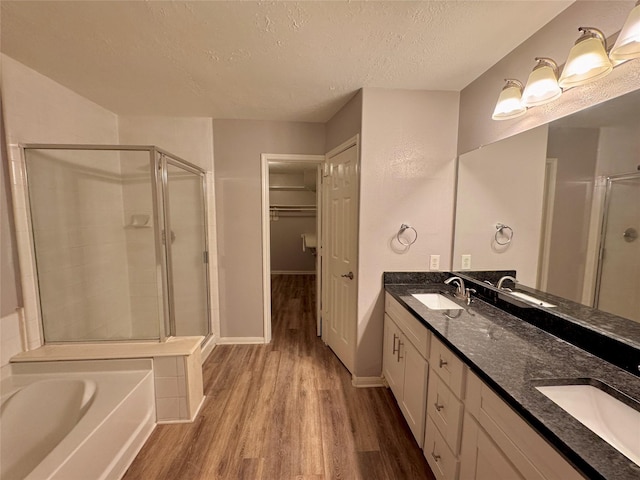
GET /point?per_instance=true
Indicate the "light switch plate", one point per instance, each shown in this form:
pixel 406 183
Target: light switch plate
pixel 466 262
pixel 434 262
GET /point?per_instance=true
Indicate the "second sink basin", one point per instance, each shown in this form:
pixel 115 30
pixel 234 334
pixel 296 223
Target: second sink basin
pixel 435 301
pixel 531 299
pixel 606 416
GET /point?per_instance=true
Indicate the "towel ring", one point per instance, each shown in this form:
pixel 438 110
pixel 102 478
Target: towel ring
pixel 500 230
pixel 403 228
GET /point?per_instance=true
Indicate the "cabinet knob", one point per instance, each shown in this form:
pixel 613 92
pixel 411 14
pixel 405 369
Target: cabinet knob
pixel 443 363
pixel 435 457
pixel 438 407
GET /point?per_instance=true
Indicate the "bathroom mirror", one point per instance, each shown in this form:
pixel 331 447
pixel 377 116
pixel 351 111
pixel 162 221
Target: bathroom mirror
pixel 560 204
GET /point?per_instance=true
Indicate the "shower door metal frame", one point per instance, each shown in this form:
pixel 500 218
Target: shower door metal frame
pixel 157 161
pixel 603 229
pixel 163 158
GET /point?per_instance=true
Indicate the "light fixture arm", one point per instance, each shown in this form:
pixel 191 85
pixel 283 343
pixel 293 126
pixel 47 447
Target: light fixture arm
pixel 512 82
pixel 591 32
pixel 547 62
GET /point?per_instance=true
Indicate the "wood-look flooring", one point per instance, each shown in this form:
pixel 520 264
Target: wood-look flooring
pixel 286 410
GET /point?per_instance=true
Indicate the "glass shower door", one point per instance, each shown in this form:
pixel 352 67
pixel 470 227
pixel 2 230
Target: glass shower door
pixel 188 257
pixel 619 269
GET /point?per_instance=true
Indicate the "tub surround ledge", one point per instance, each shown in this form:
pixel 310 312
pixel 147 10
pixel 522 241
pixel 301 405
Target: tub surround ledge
pixel 177 369
pixel 512 356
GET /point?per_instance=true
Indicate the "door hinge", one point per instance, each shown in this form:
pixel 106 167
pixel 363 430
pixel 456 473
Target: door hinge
pixel 205 257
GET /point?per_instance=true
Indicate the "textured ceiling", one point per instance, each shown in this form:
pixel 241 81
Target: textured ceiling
pixel 298 61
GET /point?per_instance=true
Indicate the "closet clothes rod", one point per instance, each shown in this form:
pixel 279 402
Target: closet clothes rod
pixel 292 208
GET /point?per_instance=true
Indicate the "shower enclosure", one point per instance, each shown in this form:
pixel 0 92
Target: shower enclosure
pixel 618 280
pixel 120 242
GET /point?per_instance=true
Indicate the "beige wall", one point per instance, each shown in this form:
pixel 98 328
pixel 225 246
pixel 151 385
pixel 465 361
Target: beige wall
pixel 38 110
pixel 237 149
pixel 554 40
pixel 190 138
pixel 576 150
pixel 344 124
pixel 502 182
pixel 408 154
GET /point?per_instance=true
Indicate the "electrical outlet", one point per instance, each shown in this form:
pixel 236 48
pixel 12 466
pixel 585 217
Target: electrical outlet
pixel 434 262
pixel 466 262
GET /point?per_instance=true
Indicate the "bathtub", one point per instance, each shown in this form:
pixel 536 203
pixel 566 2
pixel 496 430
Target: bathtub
pixel 74 420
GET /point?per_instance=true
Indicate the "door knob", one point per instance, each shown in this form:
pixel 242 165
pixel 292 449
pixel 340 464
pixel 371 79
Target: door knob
pixel 348 275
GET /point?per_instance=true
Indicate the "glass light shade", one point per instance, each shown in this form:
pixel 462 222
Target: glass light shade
pixel 542 86
pixel 509 102
pixel 587 62
pixel 627 45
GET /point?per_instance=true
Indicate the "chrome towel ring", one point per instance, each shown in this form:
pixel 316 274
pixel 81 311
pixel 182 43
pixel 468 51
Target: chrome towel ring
pixel 505 232
pixel 404 227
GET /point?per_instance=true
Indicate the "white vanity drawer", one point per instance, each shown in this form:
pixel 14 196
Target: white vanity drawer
pixel 415 331
pixel 449 367
pixel 439 457
pixel 445 411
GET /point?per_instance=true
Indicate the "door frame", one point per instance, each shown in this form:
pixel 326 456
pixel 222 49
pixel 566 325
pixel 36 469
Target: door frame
pixel 265 159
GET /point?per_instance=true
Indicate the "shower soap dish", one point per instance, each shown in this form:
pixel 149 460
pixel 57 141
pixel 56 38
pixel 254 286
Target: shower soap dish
pixel 140 221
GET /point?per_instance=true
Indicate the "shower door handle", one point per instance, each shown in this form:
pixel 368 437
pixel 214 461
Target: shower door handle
pixel 164 237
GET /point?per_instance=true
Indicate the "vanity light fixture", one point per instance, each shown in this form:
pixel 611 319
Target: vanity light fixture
pixel 510 101
pixel 542 86
pixel 588 60
pixel 627 45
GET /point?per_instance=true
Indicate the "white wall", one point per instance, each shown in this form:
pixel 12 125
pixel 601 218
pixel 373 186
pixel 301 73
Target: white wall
pixel 502 182
pixel 39 110
pixel 408 153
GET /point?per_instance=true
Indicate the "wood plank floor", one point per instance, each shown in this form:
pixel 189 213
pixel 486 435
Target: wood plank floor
pixel 286 410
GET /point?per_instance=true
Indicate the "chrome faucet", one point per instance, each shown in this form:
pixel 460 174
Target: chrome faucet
pixel 461 292
pixel 503 279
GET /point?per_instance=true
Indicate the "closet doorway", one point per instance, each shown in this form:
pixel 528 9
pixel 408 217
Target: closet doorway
pixel 291 223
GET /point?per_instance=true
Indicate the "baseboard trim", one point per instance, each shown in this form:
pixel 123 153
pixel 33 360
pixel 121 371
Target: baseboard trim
pixel 293 272
pixel 240 340
pixel 367 382
pixel 208 347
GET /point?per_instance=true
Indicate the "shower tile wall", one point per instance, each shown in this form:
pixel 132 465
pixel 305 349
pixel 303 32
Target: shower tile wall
pixel 76 205
pixel 143 294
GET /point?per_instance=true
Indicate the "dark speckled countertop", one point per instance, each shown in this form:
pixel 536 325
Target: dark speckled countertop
pixel 511 356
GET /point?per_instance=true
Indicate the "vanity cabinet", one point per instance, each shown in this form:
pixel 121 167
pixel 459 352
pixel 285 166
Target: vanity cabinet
pixel 444 411
pixel 404 364
pixel 498 444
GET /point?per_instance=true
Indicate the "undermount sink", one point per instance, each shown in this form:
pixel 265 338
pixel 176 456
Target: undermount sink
pixel 612 420
pixel 435 301
pixel 531 299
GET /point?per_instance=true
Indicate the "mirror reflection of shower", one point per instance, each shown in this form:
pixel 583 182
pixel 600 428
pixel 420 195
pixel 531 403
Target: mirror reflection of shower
pixel 103 273
pixel 618 280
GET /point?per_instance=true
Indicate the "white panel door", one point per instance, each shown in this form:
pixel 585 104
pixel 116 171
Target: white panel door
pixel 340 254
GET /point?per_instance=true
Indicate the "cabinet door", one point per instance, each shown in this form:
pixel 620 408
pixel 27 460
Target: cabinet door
pixel 392 367
pixel 414 392
pixel 480 458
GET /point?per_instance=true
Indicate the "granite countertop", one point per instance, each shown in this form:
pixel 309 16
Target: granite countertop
pixel 513 356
